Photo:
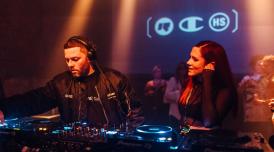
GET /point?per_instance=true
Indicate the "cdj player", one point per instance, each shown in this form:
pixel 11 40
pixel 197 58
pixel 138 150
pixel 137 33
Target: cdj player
pixel 81 136
pixel 52 136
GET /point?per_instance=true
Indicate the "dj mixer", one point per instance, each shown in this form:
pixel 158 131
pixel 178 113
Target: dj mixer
pixel 44 135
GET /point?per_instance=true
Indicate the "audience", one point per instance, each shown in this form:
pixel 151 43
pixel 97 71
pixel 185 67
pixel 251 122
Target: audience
pixel 173 92
pixel 156 111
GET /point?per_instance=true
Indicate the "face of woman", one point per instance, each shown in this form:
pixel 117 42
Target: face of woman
pixel 196 62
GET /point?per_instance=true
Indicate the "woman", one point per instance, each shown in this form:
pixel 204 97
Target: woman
pixel 210 91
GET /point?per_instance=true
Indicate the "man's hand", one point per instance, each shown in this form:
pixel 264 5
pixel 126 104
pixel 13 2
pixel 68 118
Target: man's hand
pixel 1 117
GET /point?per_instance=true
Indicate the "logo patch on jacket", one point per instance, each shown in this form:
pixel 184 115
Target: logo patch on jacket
pixel 111 95
pixel 93 99
pixel 70 96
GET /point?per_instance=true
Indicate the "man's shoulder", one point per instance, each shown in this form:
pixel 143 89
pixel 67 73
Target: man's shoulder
pixel 62 76
pixel 112 72
pixel 114 75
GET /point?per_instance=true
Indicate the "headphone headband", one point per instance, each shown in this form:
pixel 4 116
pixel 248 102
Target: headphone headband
pixel 88 45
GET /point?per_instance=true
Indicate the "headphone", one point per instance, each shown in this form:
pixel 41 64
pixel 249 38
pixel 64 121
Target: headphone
pixel 88 45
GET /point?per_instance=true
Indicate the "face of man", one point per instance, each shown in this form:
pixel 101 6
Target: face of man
pixel 78 62
pixel 196 62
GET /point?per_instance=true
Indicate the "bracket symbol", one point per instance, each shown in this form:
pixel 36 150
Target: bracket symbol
pixel 236 20
pixel 148 32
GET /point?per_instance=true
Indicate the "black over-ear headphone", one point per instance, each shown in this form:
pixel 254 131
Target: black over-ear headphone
pixel 88 44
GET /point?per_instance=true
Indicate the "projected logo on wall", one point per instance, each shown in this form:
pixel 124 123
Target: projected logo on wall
pixel 217 22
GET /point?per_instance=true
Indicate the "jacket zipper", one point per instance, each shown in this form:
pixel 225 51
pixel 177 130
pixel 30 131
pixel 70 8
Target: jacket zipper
pixel 80 104
pixel 103 108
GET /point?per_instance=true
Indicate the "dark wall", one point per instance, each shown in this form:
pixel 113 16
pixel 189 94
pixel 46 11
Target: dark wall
pixel 31 29
pixel 20 27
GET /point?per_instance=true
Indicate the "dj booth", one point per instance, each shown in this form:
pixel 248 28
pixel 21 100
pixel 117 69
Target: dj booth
pixel 49 136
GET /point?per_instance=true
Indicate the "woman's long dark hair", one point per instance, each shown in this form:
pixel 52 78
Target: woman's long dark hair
pixel 214 52
pixel 181 73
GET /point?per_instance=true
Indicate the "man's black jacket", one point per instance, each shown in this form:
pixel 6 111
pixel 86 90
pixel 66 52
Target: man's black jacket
pixel 102 98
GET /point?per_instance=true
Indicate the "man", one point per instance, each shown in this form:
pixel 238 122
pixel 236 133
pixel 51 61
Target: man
pixel 103 97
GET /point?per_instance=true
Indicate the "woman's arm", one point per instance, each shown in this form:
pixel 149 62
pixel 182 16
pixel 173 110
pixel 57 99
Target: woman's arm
pixel 214 108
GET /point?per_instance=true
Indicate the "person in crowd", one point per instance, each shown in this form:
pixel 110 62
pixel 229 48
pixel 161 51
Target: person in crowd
pixel 257 97
pixel 157 84
pixel 173 92
pixel 264 88
pixel 210 92
pixel 156 111
pixel 248 90
pixel 267 88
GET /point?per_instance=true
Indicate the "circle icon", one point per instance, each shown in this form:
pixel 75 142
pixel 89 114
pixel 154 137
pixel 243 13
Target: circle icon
pixel 164 26
pixel 219 22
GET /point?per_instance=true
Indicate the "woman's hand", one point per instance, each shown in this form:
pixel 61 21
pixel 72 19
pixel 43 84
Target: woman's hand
pixel 210 66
